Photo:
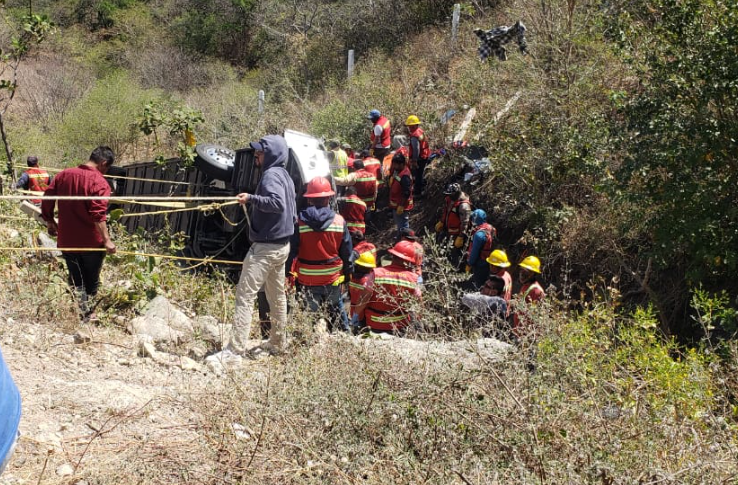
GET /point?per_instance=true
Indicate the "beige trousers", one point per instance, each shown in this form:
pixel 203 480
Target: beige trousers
pixel 263 266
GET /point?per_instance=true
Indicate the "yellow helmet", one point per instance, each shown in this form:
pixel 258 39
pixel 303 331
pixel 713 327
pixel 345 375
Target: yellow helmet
pixel 531 263
pixel 498 257
pixel 367 260
pixel 412 120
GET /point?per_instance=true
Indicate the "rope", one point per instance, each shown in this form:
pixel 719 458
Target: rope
pixel 125 253
pixel 138 199
pixel 121 177
pixel 202 208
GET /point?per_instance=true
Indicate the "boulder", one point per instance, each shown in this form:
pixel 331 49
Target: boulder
pixel 162 322
pixel 211 331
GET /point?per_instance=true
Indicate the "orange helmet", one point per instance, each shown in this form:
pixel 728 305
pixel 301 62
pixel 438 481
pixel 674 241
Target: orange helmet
pixel 319 187
pixel 404 250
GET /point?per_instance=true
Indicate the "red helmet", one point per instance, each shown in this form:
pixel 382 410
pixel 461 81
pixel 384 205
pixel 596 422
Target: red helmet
pixel 404 250
pixel 319 187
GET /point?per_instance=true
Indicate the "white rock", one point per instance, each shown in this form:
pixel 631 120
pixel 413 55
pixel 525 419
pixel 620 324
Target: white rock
pixel 65 470
pixel 188 364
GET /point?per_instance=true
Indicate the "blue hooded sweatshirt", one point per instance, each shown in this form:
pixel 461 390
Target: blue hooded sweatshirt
pixel 273 209
pixel 319 218
pixel 10 411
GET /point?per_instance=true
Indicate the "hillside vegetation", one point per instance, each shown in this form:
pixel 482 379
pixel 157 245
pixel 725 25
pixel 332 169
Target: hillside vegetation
pixel 616 165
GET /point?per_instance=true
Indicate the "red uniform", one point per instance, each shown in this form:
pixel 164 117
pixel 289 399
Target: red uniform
pixel 451 219
pixel 353 210
pixel 422 142
pixel 374 166
pixel 507 295
pixel 396 196
pixel 533 293
pixel 360 291
pixel 366 187
pixel 385 139
pixel 318 260
pixel 38 181
pixel 490 233
pixel 394 289
pixel 77 218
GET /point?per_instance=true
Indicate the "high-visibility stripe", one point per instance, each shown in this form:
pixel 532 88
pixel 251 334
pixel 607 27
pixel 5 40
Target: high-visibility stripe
pixel 394 281
pixel 357 286
pixel 355 201
pixel 328 270
pixel 331 228
pixel 386 318
pixel 355 224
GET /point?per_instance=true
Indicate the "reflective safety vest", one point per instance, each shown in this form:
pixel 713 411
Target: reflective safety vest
pixel 451 219
pixel 366 186
pixel 318 262
pixel 507 278
pixel 38 181
pixel 394 289
pixel 385 140
pixel 490 232
pixel 353 211
pixel 532 292
pixel 396 197
pixel 359 292
pixel 340 163
pixel 365 247
pixel 423 142
pixel 374 166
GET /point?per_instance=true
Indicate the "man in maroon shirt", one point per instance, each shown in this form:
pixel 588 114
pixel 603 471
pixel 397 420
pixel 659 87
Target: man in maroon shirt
pixel 82 222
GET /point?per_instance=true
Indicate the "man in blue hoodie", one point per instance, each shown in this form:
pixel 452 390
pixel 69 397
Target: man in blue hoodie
pixel 272 216
pixel 324 253
pixel 10 413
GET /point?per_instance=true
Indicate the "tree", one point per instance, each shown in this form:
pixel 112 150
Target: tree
pixel 34 29
pixel 681 132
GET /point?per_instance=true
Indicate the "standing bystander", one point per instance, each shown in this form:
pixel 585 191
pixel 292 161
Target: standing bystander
pixel 82 223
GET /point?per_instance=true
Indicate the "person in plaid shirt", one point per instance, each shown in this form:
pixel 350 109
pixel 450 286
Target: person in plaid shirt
pixel 493 41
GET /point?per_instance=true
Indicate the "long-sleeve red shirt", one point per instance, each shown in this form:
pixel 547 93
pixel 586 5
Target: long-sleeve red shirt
pixel 77 218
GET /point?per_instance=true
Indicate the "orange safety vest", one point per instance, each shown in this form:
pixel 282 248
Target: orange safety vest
pixel 366 186
pixel 394 288
pixel 396 197
pixel 38 181
pixel 451 219
pixel 353 211
pixel 386 139
pixel 358 290
pixel 318 262
pixel 424 147
pixel 490 232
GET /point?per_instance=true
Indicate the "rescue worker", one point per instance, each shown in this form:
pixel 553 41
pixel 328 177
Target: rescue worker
pixel 395 288
pixel 401 192
pixel 454 221
pixel 324 253
pixel 35 178
pixel 373 165
pixel 409 235
pixel 353 210
pixel 419 153
pixel 361 245
pixel 381 135
pixel 498 263
pixel 531 291
pixel 339 164
pixel 488 302
pixel 480 247
pixel 349 151
pixel 360 288
pixel 364 181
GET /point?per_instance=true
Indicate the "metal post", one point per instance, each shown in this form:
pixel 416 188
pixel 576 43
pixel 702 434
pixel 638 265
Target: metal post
pixel 261 101
pixel 350 62
pixel 455 23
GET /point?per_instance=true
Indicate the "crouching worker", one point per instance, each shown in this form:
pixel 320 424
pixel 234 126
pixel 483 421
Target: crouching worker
pixel 394 291
pixel 324 254
pixel 360 288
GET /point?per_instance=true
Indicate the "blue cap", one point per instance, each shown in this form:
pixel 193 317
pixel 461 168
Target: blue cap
pixel 478 217
pixel 256 145
pixel 374 114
